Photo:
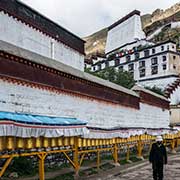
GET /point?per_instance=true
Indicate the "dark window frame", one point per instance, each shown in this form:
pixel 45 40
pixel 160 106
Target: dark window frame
pixel 146 53
pixel 153 51
pixel 164 65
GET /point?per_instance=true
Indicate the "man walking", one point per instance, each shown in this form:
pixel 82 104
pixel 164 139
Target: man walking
pixel 158 157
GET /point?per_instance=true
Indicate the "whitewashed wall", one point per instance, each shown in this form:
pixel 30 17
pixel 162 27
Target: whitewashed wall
pixel 175 97
pixel 21 35
pixel 126 32
pixel 161 83
pixel 17 98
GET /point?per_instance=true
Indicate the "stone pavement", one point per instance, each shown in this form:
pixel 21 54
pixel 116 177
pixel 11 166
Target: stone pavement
pixel 144 171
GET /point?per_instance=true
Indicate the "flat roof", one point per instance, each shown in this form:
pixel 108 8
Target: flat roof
pixel 135 12
pixel 140 88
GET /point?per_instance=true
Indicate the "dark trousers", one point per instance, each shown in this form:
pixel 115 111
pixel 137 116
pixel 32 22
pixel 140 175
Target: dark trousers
pixel 157 171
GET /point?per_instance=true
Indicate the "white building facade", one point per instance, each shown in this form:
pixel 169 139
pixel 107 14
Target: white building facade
pixel 26 28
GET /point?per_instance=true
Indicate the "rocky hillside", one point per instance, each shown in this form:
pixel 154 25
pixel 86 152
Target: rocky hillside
pixel 157 21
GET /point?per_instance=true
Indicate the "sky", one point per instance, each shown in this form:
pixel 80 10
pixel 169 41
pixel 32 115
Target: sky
pixel 84 17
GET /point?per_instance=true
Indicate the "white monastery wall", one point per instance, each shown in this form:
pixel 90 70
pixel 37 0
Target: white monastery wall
pixel 126 32
pixel 17 98
pixel 175 97
pixel 160 83
pixel 21 35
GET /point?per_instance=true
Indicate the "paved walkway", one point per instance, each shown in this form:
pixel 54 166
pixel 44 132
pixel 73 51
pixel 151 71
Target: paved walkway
pixel 172 172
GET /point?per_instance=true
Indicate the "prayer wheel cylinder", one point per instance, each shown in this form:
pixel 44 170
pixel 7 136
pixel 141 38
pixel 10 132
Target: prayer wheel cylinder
pixel 53 142
pixel 71 141
pixel 96 142
pixel 20 142
pixel 29 143
pixel 88 142
pixel 101 142
pixel 66 141
pixel 46 142
pixel 93 142
pixel 1 143
pixel 79 142
pixel 10 143
pixel 38 142
pixel 60 141
pixel 84 142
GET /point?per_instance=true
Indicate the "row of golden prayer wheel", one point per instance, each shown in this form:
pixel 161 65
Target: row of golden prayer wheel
pixel 10 143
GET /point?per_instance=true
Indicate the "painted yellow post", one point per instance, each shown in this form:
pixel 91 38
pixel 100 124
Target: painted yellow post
pixel 139 149
pixel 76 156
pixel 115 153
pixel 128 153
pixel 98 159
pixel 5 166
pixel 173 146
pixel 41 166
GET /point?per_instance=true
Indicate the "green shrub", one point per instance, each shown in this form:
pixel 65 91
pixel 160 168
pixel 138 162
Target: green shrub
pixel 23 166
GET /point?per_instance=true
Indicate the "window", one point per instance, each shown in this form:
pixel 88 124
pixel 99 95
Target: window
pixel 137 55
pixel 146 53
pixel 167 47
pixel 117 62
pixel 107 63
pixel 174 57
pixel 164 67
pixel 162 48
pixel 121 68
pixel 142 69
pixel 154 70
pixel 154 61
pixel 174 67
pixel 141 64
pixel 128 58
pixel 153 51
pixel 94 68
pixel 164 58
pixel 99 67
pixel 131 67
pixel 142 72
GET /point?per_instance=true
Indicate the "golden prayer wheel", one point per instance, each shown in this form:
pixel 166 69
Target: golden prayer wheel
pixel 84 142
pixel 88 142
pixel 29 143
pixel 20 143
pixel 10 142
pixel 53 142
pixel 66 141
pixel 1 143
pixel 71 141
pixel 93 142
pixel 45 142
pixel 97 142
pixel 60 141
pixel 100 142
pixel 79 142
pixel 38 142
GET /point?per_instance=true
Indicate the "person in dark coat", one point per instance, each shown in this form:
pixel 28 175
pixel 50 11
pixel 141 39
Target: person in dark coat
pixel 158 157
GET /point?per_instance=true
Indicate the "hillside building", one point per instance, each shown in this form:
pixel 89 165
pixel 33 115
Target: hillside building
pixel 150 64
